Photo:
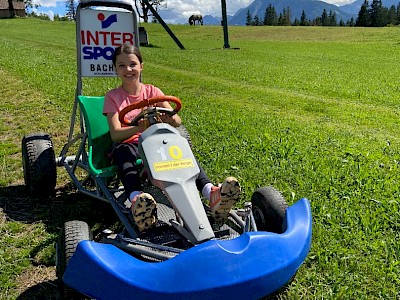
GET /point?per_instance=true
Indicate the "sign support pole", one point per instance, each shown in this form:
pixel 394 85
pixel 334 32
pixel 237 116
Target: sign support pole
pixel 158 17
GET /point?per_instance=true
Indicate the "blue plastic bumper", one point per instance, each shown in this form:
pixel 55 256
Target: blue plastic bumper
pixel 249 267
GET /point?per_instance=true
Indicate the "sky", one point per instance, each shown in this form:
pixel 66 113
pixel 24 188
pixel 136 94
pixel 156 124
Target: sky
pixel 176 11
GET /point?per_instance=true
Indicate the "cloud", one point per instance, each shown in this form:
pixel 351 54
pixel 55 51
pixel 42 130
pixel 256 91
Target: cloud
pixel 339 2
pixel 178 11
pixel 50 13
pixel 49 3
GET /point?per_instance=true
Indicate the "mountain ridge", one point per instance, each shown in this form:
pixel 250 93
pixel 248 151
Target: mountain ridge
pixel 312 9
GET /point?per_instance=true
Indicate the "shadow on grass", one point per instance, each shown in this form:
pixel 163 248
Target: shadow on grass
pixel 45 290
pixel 53 212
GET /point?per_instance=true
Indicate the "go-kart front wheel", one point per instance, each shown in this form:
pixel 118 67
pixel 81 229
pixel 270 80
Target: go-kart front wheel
pixel 269 209
pixel 39 164
pixel 71 235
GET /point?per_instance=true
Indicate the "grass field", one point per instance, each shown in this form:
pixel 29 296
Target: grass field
pixel 312 111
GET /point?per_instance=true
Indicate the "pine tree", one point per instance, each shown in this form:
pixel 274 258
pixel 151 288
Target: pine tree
pixel 377 14
pixel 256 21
pixel 70 6
pixel 363 19
pixel 317 21
pixel 287 16
pixel 398 14
pixel 303 19
pixel 284 17
pixel 324 18
pixel 332 18
pixel 392 15
pixel 270 17
pixel 248 18
pixel 296 22
pixel 351 22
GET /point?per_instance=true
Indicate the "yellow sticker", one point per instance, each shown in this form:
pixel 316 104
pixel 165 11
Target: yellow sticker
pixel 175 152
pixel 173 165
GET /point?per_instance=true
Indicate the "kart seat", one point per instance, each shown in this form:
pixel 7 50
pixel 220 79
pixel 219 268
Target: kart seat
pixel 99 139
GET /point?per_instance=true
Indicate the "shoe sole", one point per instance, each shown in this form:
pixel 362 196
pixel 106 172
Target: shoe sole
pixel 145 212
pixel 230 194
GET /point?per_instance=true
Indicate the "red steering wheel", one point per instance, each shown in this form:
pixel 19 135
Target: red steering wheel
pixel 150 111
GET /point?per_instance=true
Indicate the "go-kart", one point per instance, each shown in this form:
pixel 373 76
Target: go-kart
pixel 188 254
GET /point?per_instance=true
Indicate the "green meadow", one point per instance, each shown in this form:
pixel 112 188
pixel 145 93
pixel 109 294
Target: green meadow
pixel 312 111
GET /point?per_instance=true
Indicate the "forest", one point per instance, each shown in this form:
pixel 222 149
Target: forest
pixel 370 15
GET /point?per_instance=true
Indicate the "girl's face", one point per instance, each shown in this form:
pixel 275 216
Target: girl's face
pixel 128 68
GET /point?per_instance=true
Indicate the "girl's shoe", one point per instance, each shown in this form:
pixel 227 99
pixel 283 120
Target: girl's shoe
pixel 144 211
pixel 224 197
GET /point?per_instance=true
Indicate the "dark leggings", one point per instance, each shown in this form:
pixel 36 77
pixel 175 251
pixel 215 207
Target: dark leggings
pixel 124 155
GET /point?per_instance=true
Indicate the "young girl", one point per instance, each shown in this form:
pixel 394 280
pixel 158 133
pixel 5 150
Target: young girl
pixel 128 64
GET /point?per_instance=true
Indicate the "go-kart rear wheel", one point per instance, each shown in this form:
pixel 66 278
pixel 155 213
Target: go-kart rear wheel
pixel 185 133
pixel 269 209
pixel 39 164
pixel 72 233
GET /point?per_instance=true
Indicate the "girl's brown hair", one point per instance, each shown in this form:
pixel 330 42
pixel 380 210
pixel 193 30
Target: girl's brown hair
pixel 127 49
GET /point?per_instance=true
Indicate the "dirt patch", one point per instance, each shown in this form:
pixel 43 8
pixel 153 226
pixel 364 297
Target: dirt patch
pixel 38 283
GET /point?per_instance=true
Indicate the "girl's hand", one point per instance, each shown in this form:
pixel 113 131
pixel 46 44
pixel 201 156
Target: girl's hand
pixel 142 124
pixel 168 119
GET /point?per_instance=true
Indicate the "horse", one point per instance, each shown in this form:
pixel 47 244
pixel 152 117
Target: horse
pixel 194 18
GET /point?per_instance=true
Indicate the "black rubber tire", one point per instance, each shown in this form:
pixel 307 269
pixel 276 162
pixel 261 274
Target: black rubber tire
pixel 183 131
pixel 269 209
pixel 72 233
pixel 39 164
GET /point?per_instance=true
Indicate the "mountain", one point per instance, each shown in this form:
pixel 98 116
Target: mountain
pixel 210 20
pixel 312 9
pixel 387 3
pixel 354 8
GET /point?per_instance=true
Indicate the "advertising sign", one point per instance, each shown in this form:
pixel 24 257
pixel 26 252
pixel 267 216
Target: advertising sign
pixel 100 33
